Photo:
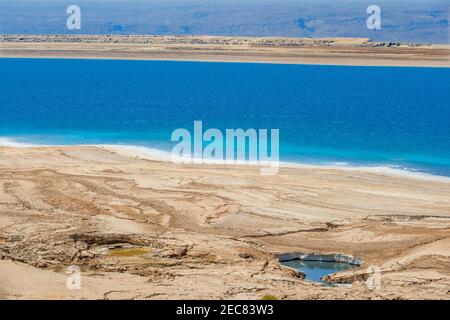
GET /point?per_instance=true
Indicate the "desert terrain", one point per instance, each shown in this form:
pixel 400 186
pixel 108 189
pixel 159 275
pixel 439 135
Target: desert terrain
pixel 143 228
pixel 327 51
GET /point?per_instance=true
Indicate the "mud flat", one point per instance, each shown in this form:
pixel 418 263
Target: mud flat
pixel 142 228
pixel 328 51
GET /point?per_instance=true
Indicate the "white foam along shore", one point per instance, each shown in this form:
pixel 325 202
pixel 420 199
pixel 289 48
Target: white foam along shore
pixel 161 155
pixel 7 142
pixel 158 155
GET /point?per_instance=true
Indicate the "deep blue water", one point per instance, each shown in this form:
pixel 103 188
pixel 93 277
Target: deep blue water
pixel 390 116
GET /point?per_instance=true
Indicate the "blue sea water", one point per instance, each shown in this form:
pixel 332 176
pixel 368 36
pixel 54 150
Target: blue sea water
pixel 370 116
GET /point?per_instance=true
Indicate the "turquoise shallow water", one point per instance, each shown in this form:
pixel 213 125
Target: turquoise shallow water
pixel 315 270
pixel 388 116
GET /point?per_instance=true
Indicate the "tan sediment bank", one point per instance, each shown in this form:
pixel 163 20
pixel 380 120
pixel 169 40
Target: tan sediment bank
pixel 332 51
pixel 149 229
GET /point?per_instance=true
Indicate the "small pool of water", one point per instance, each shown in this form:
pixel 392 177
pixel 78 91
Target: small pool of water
pixel 315 270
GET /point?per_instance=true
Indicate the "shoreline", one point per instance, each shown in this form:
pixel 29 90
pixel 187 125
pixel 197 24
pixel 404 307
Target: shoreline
pixel 212 60
pixel 160 155
pixel 274 50
pixel 154 154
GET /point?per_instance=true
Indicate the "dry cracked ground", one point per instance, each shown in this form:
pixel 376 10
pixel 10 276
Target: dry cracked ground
pixel 147 229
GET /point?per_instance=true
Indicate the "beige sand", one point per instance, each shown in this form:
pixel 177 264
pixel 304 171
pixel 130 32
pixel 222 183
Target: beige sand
pixel 209 231
pixel 333 51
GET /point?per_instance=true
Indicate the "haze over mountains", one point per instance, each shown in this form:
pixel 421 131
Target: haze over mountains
pixel 424 21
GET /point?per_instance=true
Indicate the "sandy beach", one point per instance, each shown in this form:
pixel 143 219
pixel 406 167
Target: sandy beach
pixel 326 51
pixel 143 228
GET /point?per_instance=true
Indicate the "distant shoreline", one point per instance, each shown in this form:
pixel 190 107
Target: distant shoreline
pixel 329 51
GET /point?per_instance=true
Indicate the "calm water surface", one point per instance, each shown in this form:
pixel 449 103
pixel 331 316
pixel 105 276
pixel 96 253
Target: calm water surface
pixel 380 116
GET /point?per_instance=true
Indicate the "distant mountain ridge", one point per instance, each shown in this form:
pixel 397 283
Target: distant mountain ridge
pixel 416 22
